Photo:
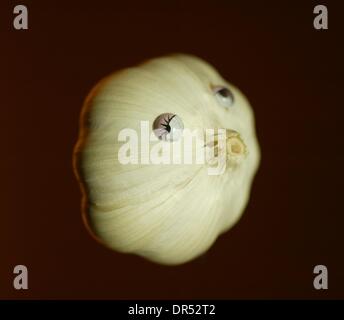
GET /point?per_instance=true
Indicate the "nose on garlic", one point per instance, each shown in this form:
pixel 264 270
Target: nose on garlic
pixel 228 146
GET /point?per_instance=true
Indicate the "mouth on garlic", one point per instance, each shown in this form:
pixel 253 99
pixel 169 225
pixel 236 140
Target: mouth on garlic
pixel 156 181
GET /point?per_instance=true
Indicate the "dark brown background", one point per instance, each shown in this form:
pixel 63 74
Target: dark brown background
pixel 293 76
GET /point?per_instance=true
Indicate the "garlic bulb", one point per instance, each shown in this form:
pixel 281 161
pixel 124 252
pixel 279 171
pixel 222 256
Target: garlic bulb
pixel 148 187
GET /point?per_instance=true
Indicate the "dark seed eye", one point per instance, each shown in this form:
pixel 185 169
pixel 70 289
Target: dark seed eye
pixel 224 96
pixel 168 126
pixel 224 92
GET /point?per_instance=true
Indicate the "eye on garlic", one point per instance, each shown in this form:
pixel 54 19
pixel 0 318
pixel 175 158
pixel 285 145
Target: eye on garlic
pixel 168 211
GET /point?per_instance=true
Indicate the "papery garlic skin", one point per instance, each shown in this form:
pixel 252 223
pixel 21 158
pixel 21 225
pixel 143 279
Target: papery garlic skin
pixel 173 213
